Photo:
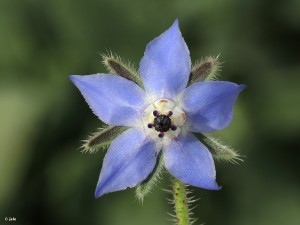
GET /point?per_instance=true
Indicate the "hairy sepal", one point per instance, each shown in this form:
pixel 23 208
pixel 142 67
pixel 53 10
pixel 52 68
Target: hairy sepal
pixel 218 149
pixel 102 138
pixel 205 70
pixel 115 65
pixel 146 186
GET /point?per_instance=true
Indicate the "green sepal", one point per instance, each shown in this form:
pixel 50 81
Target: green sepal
pixel 115 65
pixel 145 187
pixel 205 70
pixel 102 138
pixel 218 149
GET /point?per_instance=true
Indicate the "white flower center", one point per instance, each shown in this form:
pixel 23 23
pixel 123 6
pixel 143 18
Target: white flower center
pixel 163 119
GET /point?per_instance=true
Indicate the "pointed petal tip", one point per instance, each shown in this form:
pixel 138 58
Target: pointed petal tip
pixel 166 59
pixel 209 184
pixel 215 187
pixel 175 23
pixel 175 27
pixel 242 87
pixel 74 78
pixel 101 190
pixel 71 77
pixel 98 192
pixel 97 195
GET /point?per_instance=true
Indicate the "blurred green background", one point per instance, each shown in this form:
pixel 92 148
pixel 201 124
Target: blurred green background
pixel 44 179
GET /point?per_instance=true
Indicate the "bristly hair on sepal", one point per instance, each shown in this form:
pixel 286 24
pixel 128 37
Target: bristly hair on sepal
pixel 146 186
pixel 219 150
pixel 101 139
pixel 204 70
pixel 115 65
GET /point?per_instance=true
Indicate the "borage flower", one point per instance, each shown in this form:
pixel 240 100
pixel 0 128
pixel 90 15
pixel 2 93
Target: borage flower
pixel 161 117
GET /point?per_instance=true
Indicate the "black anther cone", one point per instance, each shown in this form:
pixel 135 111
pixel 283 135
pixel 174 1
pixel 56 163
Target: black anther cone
pixel 162 123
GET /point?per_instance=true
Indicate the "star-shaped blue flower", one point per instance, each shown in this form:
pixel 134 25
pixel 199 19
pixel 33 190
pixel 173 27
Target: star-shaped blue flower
pixel 161 117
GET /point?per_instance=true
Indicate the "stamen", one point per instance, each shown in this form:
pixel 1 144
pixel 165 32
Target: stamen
pixel 162 123
pixel 173 127
pixel 170 113
pixel 163 119
pixel 161 135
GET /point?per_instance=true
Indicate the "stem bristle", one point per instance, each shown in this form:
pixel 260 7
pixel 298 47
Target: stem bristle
pixel 182 203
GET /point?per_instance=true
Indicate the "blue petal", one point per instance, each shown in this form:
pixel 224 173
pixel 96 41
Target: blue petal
pixel 115 100
pixel 129 160
pixel 187 159
pixel 166 64
pixel 209 105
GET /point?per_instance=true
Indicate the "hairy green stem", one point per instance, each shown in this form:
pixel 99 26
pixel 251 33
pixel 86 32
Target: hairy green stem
pixel 180 202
